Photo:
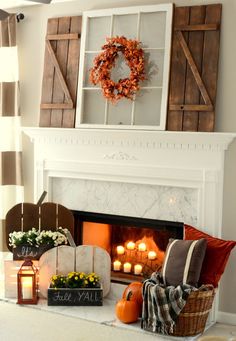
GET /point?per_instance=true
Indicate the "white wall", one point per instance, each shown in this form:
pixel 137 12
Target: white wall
pixel 31 34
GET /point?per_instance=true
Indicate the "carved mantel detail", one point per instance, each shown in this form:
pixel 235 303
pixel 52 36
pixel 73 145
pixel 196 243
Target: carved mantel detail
pixel 119 156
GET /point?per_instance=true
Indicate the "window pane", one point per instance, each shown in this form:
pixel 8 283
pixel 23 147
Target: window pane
pixel 120 113
pixel 154 60
pixel 152 29
pixel 98 30
pixel 125 25
pixel 120 70
pixel 148 107
pixel 88 64
pixel 94 107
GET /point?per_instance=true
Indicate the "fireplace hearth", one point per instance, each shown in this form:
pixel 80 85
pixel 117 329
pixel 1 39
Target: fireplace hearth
pixel 136 245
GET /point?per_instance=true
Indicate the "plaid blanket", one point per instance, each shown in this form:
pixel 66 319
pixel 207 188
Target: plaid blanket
pixel 162 305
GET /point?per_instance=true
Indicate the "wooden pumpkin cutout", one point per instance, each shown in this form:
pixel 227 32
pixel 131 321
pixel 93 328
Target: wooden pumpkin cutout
pixel 48 216
pixel 64 259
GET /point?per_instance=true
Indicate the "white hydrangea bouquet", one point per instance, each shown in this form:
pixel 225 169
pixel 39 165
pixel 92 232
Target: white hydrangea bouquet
pixel 38 238
pixel 33 243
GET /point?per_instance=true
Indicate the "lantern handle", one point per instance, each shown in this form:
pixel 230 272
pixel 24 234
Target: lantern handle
pixel 27 262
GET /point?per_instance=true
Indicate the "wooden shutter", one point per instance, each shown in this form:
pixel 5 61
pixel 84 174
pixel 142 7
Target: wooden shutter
pixel 61 66
pixel 194 64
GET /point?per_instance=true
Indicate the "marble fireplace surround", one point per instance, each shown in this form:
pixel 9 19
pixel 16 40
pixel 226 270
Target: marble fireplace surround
pixel 176 176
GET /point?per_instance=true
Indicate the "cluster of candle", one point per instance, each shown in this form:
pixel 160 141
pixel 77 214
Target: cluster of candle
pixel 127 267
pixel 141 247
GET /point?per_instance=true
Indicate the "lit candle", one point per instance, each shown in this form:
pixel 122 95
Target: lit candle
pixel 138 269
pixel 142 247
pixel 27 288
pixel 120 250
pixel 116 265
pixel 130 245
pixel 127 267
pixel 152 255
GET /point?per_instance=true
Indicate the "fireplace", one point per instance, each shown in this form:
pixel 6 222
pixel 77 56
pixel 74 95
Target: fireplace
pixel 161 175
pixel 136 245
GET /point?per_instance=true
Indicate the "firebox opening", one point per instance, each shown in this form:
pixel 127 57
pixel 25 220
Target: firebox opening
pixel 136 245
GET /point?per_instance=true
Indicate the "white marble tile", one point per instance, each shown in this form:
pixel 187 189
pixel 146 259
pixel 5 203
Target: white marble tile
pixel 116 291
pixel 145 201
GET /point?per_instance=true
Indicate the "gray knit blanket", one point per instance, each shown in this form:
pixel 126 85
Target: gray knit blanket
pixel 162 305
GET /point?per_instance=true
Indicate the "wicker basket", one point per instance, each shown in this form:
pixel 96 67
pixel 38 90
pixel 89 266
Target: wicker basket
pixel 193 317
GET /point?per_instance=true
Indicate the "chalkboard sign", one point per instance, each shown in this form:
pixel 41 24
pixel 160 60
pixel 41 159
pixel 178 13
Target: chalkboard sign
pixel 30 252
pixel 75 297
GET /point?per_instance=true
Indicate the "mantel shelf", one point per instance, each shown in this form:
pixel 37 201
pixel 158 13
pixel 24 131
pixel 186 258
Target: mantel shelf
pixel 138 138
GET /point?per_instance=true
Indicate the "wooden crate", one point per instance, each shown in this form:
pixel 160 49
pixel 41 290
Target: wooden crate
pixel 75 297
pixel 29 252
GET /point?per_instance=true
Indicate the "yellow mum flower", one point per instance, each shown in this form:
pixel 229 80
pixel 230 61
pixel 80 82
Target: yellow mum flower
pixel 91 279
pixel 54 277
pixel 76 277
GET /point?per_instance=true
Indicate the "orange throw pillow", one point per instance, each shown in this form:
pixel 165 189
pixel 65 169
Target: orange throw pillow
pixel 216 257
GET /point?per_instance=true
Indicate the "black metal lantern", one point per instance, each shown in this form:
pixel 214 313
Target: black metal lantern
pixel 27 279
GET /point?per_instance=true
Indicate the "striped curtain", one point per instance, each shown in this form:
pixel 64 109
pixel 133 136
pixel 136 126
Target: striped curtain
pixel 11 184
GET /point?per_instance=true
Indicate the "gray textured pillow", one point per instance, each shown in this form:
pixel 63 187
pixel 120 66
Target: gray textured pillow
pixel 183 261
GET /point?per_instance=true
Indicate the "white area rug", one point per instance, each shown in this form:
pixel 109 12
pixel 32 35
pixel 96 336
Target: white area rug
pixel 34 323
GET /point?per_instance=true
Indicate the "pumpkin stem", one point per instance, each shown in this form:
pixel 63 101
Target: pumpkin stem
pixel 129 295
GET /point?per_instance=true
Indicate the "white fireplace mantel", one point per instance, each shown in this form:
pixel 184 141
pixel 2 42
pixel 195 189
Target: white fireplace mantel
pixel 190 162
pixel 175 176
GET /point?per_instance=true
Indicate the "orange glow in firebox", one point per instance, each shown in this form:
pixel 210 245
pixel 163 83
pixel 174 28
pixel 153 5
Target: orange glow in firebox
pixel 97 234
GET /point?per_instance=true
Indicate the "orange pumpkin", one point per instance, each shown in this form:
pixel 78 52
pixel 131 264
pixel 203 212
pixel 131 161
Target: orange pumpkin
pixel 136 288
pixel 127 310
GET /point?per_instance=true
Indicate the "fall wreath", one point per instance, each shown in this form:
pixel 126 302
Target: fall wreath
pixel 105 61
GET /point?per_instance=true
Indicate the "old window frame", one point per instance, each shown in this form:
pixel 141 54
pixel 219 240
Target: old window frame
pixel 112 13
